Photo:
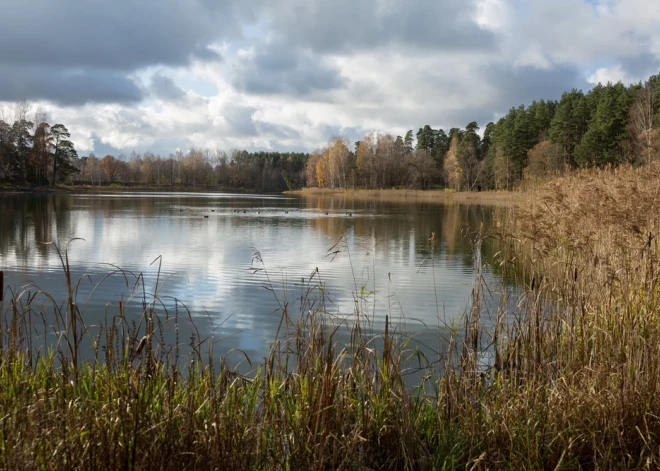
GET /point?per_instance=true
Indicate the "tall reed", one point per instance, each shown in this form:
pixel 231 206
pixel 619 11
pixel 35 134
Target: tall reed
pixel 563 375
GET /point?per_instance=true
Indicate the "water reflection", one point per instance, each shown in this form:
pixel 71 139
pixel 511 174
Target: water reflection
pixel 373 255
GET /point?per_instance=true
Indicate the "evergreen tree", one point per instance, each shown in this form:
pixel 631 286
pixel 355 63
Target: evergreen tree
pixel 570 122
pixel 486 141
pixel 408 142
pixel 604 141
pixel 6 150
pixel 22 136
pixel 63 152
pixel 426 139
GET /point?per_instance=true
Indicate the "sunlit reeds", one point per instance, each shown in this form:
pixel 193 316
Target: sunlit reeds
pixel 562 376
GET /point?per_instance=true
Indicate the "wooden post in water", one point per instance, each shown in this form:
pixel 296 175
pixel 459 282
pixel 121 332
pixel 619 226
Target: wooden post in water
pixel 2 284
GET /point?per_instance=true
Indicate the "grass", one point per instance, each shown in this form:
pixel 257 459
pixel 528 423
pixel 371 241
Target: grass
pixel 500 198
pixel 571 381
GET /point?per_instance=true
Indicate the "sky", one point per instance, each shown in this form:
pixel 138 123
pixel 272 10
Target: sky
pixel 164 75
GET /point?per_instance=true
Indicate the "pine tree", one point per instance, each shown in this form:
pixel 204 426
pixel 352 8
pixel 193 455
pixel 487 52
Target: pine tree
pixel 63 152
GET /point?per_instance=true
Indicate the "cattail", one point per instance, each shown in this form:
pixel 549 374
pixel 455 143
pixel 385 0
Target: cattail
pixel 141 345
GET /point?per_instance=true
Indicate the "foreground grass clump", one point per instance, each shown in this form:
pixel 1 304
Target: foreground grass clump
pixel 579 375
pixel 118 397
pixel 572 382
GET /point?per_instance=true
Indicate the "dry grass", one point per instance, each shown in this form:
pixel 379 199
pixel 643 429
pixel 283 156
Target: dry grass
pixel 571 384
pixel 415 196
pixel 581 370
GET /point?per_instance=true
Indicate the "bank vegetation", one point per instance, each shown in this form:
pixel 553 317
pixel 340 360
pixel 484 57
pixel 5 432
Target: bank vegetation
pixel 563 376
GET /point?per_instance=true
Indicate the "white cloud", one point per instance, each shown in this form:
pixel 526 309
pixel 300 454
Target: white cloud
pixel 493 14
pixel 292 81
pixel 606 75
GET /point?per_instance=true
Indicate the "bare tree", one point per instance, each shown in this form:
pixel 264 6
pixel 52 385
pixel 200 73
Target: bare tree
pixel 469 163
pixel 641 117
pixel 422 168
pixel 21 108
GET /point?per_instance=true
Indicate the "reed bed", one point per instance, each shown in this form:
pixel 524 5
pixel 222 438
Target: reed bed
pixel 564 376
pixel 484 198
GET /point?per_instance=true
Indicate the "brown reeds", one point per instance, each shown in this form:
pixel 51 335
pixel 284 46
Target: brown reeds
pixel 489 198
pixel 564 375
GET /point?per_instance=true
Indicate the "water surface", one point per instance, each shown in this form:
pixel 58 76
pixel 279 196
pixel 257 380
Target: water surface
pixel 235 261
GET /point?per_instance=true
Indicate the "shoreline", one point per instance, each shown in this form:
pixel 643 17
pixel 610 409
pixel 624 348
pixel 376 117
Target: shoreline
pixel 119 189
pixel 484 198
pixel 490 198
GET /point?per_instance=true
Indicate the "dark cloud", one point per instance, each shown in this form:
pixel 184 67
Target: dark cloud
pixel 67 87
pixel 641 66
pixel 304 32
pixel 277 68
pixel 206 54
pixel 513 86
pixel 120 34
pixel 349 25
pixel 243 124
pixel 74 52
pixel 164 88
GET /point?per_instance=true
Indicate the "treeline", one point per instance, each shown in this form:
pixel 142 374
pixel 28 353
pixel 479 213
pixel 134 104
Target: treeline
pixel 609 125
pixel 43 154
pixel 258 171
pixel 38 153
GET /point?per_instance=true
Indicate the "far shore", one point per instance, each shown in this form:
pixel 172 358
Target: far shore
pixel 118 188
pixel 495 198
pixel 499 198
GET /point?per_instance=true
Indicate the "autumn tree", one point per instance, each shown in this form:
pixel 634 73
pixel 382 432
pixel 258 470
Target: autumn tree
pixel 422 168
pixel 322 171
pixel 545 160
pixel 310 169
pixel 110 167
pixel 452 167
pixel 340 163
pixel 365 161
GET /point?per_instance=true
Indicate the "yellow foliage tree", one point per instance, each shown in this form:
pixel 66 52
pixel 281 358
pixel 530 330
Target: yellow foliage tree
pixel 322 172
pixel 452 168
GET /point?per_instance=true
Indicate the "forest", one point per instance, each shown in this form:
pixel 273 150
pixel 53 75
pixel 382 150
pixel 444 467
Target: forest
pixel 609 125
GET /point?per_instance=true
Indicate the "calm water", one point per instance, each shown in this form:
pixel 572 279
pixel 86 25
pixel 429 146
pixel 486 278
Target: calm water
pixel 375 255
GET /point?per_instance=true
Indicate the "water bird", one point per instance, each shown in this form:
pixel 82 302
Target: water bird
pixel 244 212
pixel 213 210
pixel 326 214
pixel 206 216
pixel 286 212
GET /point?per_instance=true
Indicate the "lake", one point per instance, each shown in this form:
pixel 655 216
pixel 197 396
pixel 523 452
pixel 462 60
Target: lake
pixel 235 261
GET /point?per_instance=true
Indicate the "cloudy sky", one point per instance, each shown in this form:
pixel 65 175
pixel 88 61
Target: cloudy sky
pixel 163 75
